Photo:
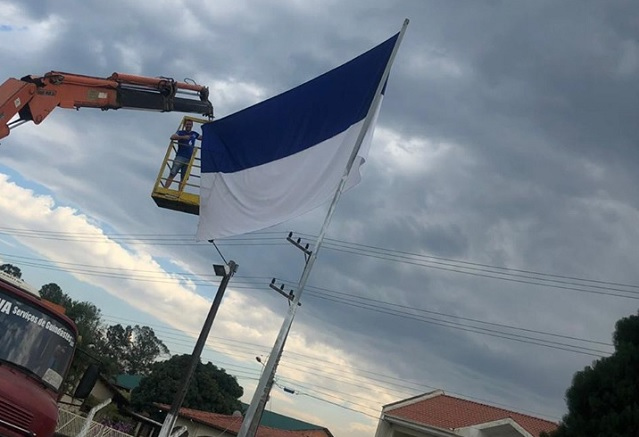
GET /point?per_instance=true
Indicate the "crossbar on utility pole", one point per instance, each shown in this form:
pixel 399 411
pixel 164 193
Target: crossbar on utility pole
pixel 171 417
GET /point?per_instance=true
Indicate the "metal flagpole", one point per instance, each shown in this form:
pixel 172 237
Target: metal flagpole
pixel 253 415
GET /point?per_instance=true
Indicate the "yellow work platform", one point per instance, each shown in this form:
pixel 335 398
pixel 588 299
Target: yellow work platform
pixel 180 194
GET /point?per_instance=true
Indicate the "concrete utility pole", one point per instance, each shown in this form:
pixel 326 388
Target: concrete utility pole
pixel 226 271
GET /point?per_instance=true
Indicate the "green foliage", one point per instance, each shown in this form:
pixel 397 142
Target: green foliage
pixel 52 292
pixel 11 270
pixel 87 318
pixel 603 400
pixel 117 349
pixel 132 349
pixel 211 388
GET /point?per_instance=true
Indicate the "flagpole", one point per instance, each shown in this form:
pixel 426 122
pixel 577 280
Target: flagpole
pixel 254 413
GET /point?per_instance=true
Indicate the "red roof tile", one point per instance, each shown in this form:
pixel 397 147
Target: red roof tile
pixel 232 424
pixel 443 411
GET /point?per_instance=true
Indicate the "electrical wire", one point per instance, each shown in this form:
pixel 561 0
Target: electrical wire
pixel 476 269
pixel 562 282
pixel 387 308
pixel 232 346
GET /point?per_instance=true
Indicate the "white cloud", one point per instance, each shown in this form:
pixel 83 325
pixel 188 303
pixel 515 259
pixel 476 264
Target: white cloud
pixel 26 35
pixel 232 95
pixel 409 156
pixel 30 211
pixel 169 295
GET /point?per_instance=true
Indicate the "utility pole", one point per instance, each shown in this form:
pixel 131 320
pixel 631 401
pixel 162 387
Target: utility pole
pixel 226 271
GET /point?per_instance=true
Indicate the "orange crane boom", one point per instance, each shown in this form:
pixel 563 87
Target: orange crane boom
pixel 34 97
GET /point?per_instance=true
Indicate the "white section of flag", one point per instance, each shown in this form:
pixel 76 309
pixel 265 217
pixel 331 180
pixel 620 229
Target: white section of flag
pixel 263 196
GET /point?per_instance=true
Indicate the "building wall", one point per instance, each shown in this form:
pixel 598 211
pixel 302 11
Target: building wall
pixel 101 391
pixel 386 429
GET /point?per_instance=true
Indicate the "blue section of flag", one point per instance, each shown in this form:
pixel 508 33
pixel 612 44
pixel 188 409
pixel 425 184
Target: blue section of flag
pixel 297 119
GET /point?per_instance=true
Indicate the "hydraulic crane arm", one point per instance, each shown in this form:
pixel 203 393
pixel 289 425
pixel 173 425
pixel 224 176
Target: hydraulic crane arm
pixel 34 97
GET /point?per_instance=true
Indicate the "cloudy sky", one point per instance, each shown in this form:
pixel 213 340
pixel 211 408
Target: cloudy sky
pixel 488 251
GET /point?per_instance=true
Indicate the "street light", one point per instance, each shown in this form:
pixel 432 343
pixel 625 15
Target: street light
pixel 221 269
pixel 226 272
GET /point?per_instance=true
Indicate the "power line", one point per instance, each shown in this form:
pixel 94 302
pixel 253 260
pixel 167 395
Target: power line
pixel 379 306
pixel 179 337
pixel 148 239
pixel 251 374
pixel 485 331
pixel 402 388
pixel 94 271
pixel 504 276
pixel 383 250
pixel 246 353
pixel 256 238
pixel 413 308
pixel 440 263
pixel 247 281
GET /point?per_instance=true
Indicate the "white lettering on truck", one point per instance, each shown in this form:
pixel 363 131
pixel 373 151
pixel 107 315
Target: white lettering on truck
pixel 5 306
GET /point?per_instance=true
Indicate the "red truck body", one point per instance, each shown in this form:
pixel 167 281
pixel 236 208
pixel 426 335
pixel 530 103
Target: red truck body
pixel 37 344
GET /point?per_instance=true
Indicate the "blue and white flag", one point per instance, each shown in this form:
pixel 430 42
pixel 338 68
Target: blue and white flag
pixel 285 156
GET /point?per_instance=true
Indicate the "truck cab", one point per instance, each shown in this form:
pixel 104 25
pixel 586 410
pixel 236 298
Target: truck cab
pixel 37 343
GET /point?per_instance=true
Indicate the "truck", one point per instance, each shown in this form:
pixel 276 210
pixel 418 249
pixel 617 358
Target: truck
pixel 37 344
pixel 37 340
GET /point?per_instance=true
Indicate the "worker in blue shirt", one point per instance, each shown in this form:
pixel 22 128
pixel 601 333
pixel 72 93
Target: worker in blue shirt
pixel 186 146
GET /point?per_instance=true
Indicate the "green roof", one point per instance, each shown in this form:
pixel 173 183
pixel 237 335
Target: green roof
pixel 279 421
pixel 128 382
pixel 269 418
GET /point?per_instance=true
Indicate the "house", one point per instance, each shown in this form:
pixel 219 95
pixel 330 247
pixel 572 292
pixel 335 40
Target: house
pixel 101 391
pixel 202 423
pixel 119 394
pixel 437 414
pixel 105 389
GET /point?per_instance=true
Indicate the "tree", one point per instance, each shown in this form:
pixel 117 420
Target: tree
pixel 604 398
pixel 119 350
pixel 211 388
pixel 11 270
pixel 52 292
pixel 133 349
pixel 88 319
pixel 145 348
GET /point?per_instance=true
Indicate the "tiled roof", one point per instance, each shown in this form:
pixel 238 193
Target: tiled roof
pixel 443 411
pixel 231 424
